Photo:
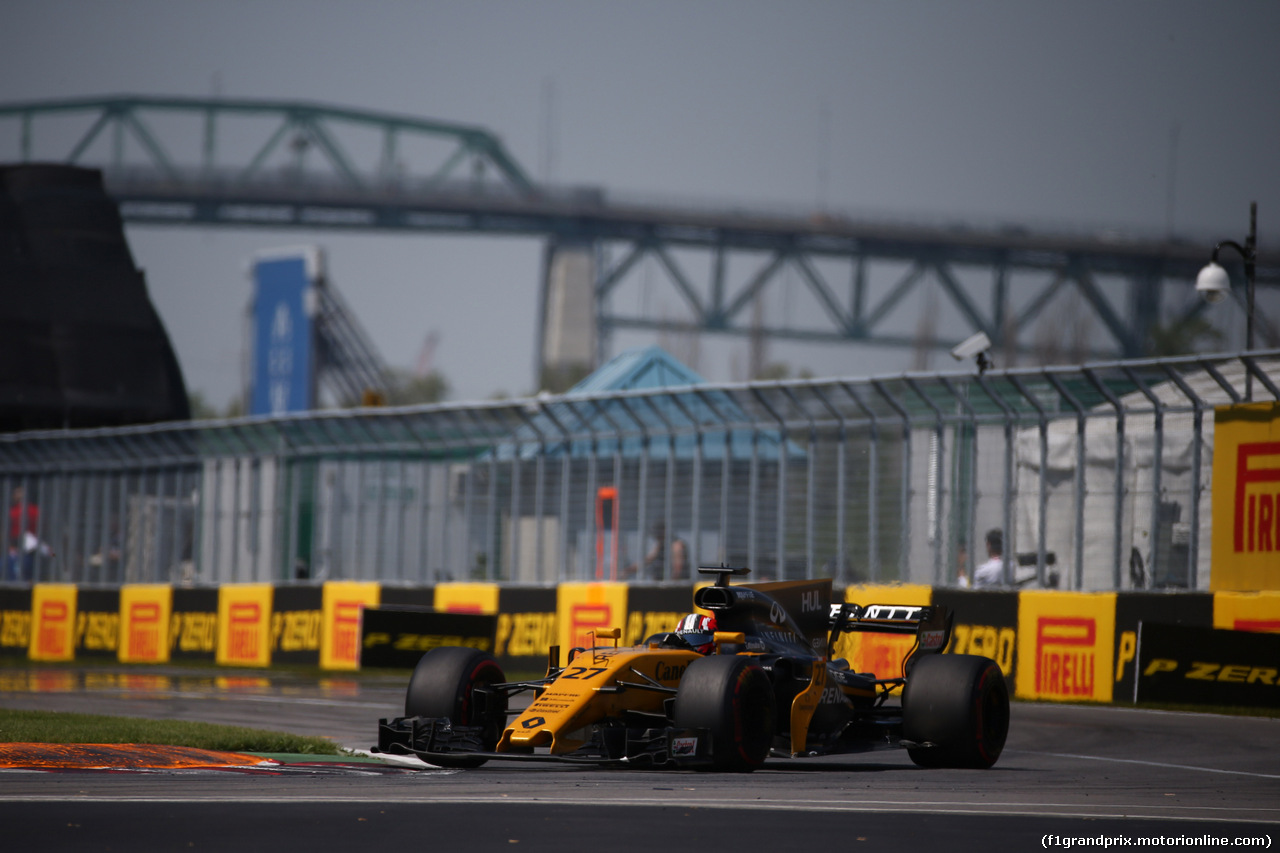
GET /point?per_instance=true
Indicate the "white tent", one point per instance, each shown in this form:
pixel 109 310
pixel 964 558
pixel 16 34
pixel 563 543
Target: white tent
pixel 1120 533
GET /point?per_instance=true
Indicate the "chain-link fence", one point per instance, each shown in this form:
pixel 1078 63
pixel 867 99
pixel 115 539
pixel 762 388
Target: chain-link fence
pixel 1097 476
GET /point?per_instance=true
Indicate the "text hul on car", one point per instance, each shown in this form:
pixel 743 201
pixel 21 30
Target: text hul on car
pixel 760 684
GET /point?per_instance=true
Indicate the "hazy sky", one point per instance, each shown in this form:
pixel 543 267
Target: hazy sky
pixel 1049 115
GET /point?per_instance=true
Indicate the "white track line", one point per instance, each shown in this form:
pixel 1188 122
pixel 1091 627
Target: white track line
pixel 1144 763
pixel 1152 812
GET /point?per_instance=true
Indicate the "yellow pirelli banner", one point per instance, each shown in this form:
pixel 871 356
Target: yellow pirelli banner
pixel 1066 645
pixel 1246 497
pixel 342 605
pixel 882 654
pixel 144 623
pixel 466 598
pixel 53 617
pixel 244 624
pixel 1247 611
pixel 585 607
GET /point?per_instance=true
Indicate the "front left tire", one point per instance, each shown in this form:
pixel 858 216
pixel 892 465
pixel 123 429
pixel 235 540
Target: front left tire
pixel 732 698
pixel 445 684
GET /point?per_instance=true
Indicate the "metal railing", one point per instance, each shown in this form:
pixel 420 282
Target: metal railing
pixel 1099 477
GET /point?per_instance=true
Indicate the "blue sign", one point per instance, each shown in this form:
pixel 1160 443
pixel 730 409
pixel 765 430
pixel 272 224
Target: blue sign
pixel 284 339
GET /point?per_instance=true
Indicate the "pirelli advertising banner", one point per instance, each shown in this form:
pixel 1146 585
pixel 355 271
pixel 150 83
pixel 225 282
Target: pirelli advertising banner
pixel 466 597
pixel 582 608
pixel 1210 666
pixel 193 624
pixel 244 624
pixel 986 623
pixel 1191 609
pixel 1066 645
pixel 342 606
pixel 1246 497
pixel 98 623
pixel 1247 611
pixel 296 617
pixel 526 629
pixel 881 654
pixel 397 636
pixel 15 620
pixel 144 623
pixel 654 610
pixel 53 614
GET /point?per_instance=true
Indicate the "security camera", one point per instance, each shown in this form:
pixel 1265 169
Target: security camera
pixel 976 348
pixel 972 347
pixel 1212 283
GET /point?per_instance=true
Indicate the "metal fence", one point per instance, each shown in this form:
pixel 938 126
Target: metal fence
pixel 1099 477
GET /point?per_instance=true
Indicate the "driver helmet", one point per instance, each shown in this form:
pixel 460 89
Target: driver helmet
pixel 698 631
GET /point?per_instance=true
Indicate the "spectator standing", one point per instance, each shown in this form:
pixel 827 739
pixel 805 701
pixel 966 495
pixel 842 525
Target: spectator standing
pixel 24 519
pixel 991 573
pixel 654 560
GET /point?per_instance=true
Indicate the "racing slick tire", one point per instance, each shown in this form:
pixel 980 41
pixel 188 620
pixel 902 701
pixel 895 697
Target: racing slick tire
pixel 732 698
pixel 444 684
pixel 960 705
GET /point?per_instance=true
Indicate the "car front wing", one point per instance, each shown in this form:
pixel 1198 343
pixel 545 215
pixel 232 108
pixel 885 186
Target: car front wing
pixel 438 738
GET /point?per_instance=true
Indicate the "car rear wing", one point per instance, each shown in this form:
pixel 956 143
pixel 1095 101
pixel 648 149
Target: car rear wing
pixel 930 624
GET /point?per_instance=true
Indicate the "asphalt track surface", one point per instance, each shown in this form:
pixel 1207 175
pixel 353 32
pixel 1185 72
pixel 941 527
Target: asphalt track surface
pixel 1105 774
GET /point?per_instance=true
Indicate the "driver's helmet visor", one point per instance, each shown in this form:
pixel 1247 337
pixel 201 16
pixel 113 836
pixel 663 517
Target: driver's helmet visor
pixel 698 640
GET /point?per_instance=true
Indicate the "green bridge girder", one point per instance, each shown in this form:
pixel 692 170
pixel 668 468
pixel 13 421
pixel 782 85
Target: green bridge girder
pixel 296 124
pixel 248 162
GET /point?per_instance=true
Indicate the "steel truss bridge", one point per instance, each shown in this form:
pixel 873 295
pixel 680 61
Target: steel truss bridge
pixel 246 163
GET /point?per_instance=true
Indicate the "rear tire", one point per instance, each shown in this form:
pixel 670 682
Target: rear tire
pixel 444 684
pixel 959 703
pixel 731 697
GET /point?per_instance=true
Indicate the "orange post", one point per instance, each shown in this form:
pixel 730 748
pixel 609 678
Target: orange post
pixel 607 524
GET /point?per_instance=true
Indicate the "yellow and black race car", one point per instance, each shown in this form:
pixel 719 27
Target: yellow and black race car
pixel 725 692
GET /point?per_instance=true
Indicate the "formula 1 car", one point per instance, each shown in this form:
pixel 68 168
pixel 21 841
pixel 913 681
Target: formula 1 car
pixel 765 686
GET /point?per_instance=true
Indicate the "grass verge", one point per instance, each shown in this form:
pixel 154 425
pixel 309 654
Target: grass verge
pixel 59 727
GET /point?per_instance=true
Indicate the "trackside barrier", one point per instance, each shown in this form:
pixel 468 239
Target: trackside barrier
pixel 1208 666
pixel 397 637
pixel 1051 645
